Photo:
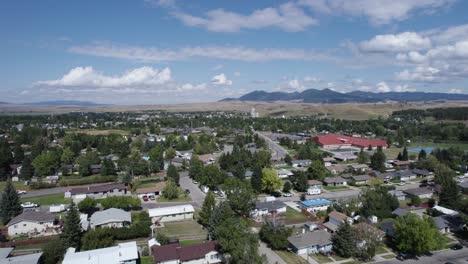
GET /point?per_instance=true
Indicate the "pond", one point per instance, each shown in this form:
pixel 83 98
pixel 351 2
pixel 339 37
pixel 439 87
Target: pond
pixel 418 149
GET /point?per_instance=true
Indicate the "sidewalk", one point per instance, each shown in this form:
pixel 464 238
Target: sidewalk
pixel 272 257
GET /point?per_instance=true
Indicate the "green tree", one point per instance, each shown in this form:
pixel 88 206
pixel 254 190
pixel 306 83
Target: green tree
pixel 45 163
pixel 422 154
pixel 173 174
pixel 87 205
pixel 415 200
pixel 378 160
pixel 27 170
pixel 288 160
pixel 287 187
pixel 170 153
pixel 240 196
pixel 107 168
pixel 256 179
pixel 363 157
pixel 317 171
pixel 98 238
pixel 300 181
pixel 343 241
pixel 212 176
pixel 270 180
pixel 196 168
pixel 171 191
pixel 122 202
pixel 220 213
pixel 377 201
pixel 239 171
pixel 416 235
pixel 53 252
pixel 404 154
pixel 71 234
pixel 450 194
pixel 10 205
pixel 275 235
pixel 67 156
pixel 208 206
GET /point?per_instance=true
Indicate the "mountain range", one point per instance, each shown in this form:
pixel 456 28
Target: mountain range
pixel 333 97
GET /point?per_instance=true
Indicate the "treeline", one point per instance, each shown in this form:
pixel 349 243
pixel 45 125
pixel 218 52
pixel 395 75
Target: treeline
pixel 450 113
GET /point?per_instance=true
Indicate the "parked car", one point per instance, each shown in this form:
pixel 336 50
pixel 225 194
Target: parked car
pixel 401 184
pixel 405 256
pixel 29 205
pixel 194 182
pixel 287 194
pixel 145 198
pixel 20 192
pixel 204 188
pixel 152 197
pixel 456 247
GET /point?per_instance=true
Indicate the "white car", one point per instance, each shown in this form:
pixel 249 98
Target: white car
pixel 287 194
pixel 401 184
pixel 29 205
pixel 20 192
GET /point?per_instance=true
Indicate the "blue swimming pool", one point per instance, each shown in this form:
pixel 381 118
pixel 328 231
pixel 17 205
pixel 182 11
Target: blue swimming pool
pixel 418 149
pixel 316 202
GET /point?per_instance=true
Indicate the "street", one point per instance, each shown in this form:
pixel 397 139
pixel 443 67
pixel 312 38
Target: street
pixel 446 256
pixel 197 195
pixel 278 152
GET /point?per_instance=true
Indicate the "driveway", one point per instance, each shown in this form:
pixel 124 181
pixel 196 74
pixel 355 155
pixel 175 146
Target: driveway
pixel 271 256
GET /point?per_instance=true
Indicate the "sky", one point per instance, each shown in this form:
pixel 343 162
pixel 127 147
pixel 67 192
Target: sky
pixel 179 51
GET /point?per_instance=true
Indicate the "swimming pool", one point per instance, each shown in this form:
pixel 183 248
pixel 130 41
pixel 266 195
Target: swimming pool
pixel 418 149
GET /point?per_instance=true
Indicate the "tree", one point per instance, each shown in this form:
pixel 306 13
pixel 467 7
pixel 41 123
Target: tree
pixel 239 171
pixel 367 240
pixel 270 180
pixel 67 156
pixel 27 170
pixel 98 238
pixel 122 202
pixel 300 181
pixel 275 235
pixel 10 205
pixel 107 168
pixel 240 196
pixel 343 240
pixel 377 201
pixel 378 160
pixel 53 252
pixel 317 171
pixel 422 154
pixel 87 205
pixel 288 159
pixel 404 155
pixel 208 206
pixel 450 195
pixel 170 153
pixel 416 235
pixel 287 187
pixel 415 200
pixel 173 174
pixel 45 163
pixel 220 213
pixel 171 191
pixel 256 179
pixel 363 157
pixel 72 232
pixel 196 168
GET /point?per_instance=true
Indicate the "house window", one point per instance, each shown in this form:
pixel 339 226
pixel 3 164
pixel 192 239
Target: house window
pixel 24 224
pixel 214 256
pixel 16 226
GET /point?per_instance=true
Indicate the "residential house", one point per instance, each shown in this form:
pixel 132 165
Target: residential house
pixel 441 224
pixel 463 186
pixel 360 179
pixel 22 259
pixel 405 175
pixel 33 223
pixel 362 168
pixel 201 253
pixel 264 208
pixel 301 163
pixel 97 192
pixel 311 242
pixel 95 168
pixel 422 173
pixel 386 176
pixel 387 227
pixel 335 181
pixel 397 194
pixel 400 212
pixel 344 156
pixel 315 205
pixel 310 226
pixel 123 253
pixel 155 190
pixel 402 164
pixel 328 161
pixel 419 192
pixel 335 219
pixel 315 187
pixel 337 168
pixel 111 217
pixel 171 213
pixel 364 228
pixel 283 173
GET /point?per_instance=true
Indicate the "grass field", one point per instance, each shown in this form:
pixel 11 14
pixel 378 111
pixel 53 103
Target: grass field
pixel 321 258
pixel 191 242
pixel 389 256
pixel 18 185
pixel 335 188
pixel 186 230
pixel 146 260
pixel 290 258
pixel 48 199
pixel 292 216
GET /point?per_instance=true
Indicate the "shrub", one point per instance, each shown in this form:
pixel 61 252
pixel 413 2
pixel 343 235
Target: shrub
pixel 122 202
pixel 87 180
pixel 42 185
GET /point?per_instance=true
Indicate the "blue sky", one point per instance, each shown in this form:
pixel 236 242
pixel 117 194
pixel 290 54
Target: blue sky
pixel 175 51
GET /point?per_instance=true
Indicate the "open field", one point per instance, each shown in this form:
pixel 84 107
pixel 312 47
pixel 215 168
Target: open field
pixel 185 230
pixel 355 111
pixel 48 199
pixel 105 132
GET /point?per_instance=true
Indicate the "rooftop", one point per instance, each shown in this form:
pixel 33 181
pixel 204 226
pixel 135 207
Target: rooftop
pixel 163 211
pixel 98 188
pixel 32 216
pixel 23 259
pixel 316 238
pixel 110 215
pixel 182 253
pixel 316 202
pixel 112 255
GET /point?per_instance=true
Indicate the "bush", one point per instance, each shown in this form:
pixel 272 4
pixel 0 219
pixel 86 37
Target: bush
pixel 122 202
pixel 41 185
pixel 87 205
pixel 87 180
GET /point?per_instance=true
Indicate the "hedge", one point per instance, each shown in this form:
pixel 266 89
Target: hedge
pixel 86 180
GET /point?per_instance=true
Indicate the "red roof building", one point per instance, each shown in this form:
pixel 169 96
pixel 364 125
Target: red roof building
pixel 336 141
pixel 205 252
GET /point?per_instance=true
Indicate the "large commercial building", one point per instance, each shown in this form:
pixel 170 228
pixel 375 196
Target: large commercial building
pixel 335 141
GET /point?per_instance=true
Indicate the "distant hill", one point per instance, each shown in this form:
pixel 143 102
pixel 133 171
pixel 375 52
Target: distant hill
pixel 65 103
pixel 332 97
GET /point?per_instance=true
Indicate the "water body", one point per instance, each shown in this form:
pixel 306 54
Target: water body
pixel 418 149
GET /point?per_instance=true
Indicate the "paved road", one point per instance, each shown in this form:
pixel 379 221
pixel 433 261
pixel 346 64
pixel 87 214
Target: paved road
pixel 278 152
pixel 197 195
pixel 451 256
pixel 271 256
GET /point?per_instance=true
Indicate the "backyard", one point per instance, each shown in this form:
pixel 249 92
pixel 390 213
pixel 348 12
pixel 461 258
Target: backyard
pixel 48 199
pixel 186 230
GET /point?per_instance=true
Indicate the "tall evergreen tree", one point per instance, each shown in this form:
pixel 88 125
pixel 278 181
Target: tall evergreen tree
pixel 71 235
pixel 208 205
pixel 10 205
pixel 107 167
pixel 288 160
pixel 378 160
pixel 27 169
pixel 343 241
pixel 239 171
pixel 363 157
pixel 256 180
pixel 173 174
pixel 404 155
pixel 422 154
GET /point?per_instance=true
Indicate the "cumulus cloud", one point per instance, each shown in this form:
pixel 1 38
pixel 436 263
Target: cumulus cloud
pixel 378 12
pixel 151 54
pixel 88 77
pixel 406 41
pixel 287 17
pixel 383 87
pixel 455 91
pixel 450 34
pixel 295 84
pixel 221 79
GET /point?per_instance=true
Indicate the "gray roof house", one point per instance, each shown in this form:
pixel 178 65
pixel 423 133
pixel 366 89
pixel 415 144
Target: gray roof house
pixel 420 192
pixel 400 212
pixel 5 252
pixel 23 259
pixel 311 242
pixel 263 208
pixel 33 223
pixel 334 181
pixel 361 179
pixel 110 218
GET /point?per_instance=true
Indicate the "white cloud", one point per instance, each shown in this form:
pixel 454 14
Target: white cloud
pixel 237 74
pixel 406 41
pixel 295 84
pixel 88 77
pixel 450 34
pixel 455 91
pixel 377 11
pixel 217 67
pixel 221 79
pixel 162 3
pixel 287 17
pixel 383 87
pixel 102 49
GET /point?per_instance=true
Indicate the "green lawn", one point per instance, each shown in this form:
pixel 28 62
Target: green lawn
pixel 18 185
pixel 389 256
pixel 293 216
pixel 290 257
pixel 381 250
pixel 184 230
pixel 335 188
pixel 146 260
pixel 321 258
pixel 48 199
pixel 182 198
pixel 191 242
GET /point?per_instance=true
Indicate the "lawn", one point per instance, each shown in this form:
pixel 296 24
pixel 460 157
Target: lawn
pixel 381 250
pixel 18 185
pixel 290 258
pixel 146 260
pixel 182 198
pixel 184 230
pixel 389 256
pixel 191 242
pixel 48 199
pixel 293 216
pixel 321 258
pixel 335 188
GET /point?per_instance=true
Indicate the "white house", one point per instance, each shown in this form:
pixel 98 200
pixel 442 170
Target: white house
pixel 97 192
pixel 311 242
pixel 172 213
pixel 335 219
pixel 264 208
pixel 315 205
pixel 202 253
pixel 111 217
pixel 33 223
pixel 315 187
pixel 123 253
